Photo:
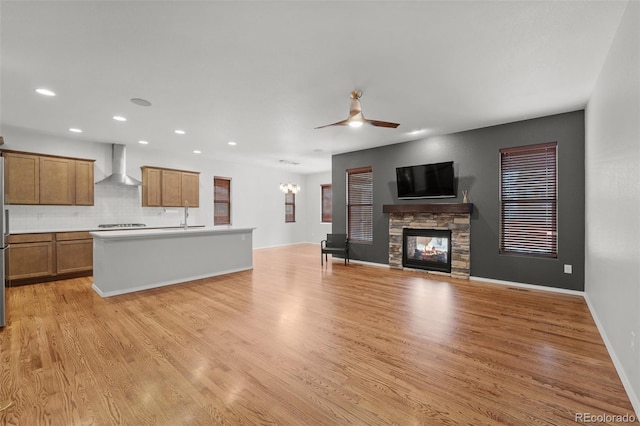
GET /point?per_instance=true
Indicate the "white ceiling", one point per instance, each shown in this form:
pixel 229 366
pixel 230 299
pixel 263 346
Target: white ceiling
pixel 265 74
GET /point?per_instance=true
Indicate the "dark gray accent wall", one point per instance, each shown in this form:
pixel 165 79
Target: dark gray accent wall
pixel 476 163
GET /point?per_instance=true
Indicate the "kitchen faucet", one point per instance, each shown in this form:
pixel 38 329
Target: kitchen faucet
pixel 186 214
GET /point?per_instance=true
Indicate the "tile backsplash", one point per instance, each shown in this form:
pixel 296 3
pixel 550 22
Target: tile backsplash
pixel 113 204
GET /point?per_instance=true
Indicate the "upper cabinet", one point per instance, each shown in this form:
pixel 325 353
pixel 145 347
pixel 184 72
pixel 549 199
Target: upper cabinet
pixel 190 182
pixel 84 183
pixel 46 179
pixel 57 181
pixel 22 178
pixel 169 188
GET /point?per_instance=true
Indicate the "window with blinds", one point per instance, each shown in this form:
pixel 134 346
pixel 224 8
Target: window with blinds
pixel 289 207
pixel 327 202
pixel 221 201
pixel 360 204
pixel 528 200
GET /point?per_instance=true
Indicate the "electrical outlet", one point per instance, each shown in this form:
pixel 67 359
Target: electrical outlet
pixel 568 269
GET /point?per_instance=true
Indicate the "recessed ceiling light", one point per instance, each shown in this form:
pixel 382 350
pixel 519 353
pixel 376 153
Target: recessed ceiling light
pixel 197 151
pixel 143 142
pixel 232 143
pixel 45 92
pixel 416 132
pixel 179 132
pixel 119 118
pixel 141 102
pixel 75 130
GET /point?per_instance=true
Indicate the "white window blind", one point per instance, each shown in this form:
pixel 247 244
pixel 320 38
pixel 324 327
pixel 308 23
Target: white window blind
pixel 360 204
pixel 528 200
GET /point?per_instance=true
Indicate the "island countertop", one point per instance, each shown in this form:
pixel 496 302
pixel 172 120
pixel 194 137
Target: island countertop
pixel 142 233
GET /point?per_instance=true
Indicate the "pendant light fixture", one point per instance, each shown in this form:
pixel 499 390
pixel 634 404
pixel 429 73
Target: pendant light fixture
pixel 289 186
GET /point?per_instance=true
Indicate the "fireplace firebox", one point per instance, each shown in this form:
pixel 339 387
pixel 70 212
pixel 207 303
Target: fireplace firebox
pixel 428 249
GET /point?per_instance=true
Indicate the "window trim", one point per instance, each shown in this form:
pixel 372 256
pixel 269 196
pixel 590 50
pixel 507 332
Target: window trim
pixel 227 202
pixel 326 214
pixel 368 239
pixel 538 208
pixel 292 217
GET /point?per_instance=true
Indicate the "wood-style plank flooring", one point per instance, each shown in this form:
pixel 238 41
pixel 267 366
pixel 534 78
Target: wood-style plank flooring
pixel 294 343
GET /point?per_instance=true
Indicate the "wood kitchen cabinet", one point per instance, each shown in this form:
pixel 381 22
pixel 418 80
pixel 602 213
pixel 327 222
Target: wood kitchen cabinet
pixel 57 181
pixel 44 256
pixel 74 252
pixel 151 187
pixel 84 183
pixel 22 178
pixel 190 189
pixel 169 188
pixel 30 256
pixel 47 179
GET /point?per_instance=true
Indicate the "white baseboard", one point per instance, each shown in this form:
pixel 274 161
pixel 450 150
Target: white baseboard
pixel 528 286
pixel 633 397
pixel 278 245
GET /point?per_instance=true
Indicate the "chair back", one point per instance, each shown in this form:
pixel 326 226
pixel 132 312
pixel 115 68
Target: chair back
pixel 337 240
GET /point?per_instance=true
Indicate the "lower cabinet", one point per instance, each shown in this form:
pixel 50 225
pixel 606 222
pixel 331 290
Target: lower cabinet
pixel 74 252
pixel 30 256
pixel 46 256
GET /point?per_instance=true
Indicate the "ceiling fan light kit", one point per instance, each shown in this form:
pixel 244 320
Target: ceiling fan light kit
pixel 356 118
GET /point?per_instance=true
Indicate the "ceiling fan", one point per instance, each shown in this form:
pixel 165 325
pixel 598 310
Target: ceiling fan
pixel 356 119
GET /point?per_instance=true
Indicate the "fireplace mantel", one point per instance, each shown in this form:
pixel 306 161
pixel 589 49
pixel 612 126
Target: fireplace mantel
pixel 429 208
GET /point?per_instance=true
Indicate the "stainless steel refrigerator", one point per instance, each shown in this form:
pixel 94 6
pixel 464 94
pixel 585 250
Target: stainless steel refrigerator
pixel 4 231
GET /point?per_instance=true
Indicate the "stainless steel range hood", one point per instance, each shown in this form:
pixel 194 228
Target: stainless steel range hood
pixel 119 168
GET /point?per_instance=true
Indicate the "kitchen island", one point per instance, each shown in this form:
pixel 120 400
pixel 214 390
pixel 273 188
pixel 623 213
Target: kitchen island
pixel 134 260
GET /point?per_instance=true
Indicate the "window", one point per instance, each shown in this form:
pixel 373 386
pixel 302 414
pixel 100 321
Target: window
pixel 289 207
pixel 327 202
pixel 221 201
pixel 360 204
pixel 528 200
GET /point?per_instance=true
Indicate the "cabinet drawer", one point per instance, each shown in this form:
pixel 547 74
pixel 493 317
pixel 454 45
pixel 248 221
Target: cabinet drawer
pixel 66 236
pixel 29 238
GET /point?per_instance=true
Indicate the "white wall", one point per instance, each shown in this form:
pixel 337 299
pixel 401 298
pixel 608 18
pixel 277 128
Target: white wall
pixel 256 200
pixel 613 200
pixel 317 230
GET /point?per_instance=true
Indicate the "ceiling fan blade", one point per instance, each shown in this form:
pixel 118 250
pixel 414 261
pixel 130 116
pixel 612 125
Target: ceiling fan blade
pixel 382 123
pixel 339 123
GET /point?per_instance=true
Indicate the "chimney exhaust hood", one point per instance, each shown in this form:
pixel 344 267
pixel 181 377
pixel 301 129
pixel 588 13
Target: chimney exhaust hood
pixel 119 168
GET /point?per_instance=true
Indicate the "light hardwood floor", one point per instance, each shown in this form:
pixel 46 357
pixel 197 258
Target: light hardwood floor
pixel 294 343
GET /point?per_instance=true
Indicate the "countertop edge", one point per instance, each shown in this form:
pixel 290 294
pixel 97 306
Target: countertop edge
pixel 166 232
pixel 94 229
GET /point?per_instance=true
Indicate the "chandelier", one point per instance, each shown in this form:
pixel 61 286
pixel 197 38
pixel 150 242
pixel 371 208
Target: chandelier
pixel 289 186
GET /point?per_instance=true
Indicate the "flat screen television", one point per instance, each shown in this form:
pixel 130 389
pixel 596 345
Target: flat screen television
pixel 426 181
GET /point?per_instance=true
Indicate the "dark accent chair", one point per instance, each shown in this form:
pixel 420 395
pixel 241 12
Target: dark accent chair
pixel 335 244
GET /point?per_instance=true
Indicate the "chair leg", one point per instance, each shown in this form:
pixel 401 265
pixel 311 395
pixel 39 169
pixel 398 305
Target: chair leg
pixel 321 259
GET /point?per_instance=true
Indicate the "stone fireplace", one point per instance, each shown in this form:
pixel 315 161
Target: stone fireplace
pixel 455 218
